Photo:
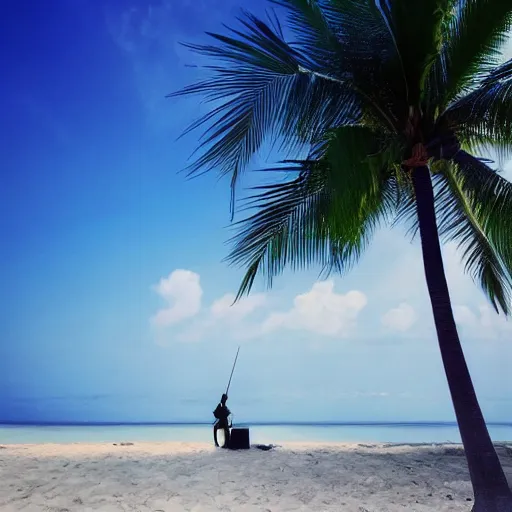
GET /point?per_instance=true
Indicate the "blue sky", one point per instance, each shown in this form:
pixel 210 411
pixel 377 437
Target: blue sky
pixel 115 300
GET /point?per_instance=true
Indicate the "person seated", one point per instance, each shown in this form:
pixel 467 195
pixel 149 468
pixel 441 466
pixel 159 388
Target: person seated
pixel 222 414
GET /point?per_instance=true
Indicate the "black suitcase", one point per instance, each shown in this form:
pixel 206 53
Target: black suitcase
pixel 239 439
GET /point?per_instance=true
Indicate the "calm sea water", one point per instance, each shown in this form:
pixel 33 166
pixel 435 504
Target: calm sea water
pixel 393 433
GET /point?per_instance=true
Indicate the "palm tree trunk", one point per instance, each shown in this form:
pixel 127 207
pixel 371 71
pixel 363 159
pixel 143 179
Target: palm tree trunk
pixel 492 493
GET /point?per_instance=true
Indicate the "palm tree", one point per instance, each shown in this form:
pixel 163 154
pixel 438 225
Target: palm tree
pixel 391 99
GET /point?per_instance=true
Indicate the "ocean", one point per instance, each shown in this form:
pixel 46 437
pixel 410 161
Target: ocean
pixel 260 433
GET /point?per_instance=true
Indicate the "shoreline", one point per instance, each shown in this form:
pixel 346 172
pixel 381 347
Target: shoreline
pixel 369 434
pixel 349 445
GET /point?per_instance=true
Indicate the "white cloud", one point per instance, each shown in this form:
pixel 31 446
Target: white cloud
pixel 151 35
pixel 405 283
pixel 401 318
pixel 226 318
pixel 321 311
pixel 182 290
pixel 401 276
pixel 147 35
pixel 225 308
pixel 485 324
pixel 464 316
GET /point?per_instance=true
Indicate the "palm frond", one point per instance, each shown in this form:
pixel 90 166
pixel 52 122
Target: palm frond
pixel 484 116
pixel 325 215
pixel 406 211
pixel 462 220
pixel 418 31
pixel 476 142
pixel 369 57
pixel 313 34
pixel 372 53
pixel 474 209
pixel 263 89
pixel 493 194
pixel 474 38
pixel 342 38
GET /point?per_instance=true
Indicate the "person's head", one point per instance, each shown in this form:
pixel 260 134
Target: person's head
pixel 224 398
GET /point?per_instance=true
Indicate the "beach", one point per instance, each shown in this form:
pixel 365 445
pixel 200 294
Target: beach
pixel 179 476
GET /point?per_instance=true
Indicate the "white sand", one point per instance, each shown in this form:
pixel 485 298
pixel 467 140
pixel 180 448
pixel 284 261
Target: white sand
pixel 179 476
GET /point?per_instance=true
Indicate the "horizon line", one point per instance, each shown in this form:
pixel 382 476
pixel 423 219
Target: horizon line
pixel 243 423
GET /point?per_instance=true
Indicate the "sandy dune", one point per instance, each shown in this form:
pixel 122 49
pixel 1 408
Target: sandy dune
pixel 194 477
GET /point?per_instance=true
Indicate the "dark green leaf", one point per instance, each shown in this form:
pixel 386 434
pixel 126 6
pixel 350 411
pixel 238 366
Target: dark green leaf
pixel 326 215
pixel 265 91
pixel 474 206
pixel 484 116
pixel 418 30
pixel 474 39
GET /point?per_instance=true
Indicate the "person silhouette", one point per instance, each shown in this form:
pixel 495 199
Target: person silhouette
pixel 222 414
